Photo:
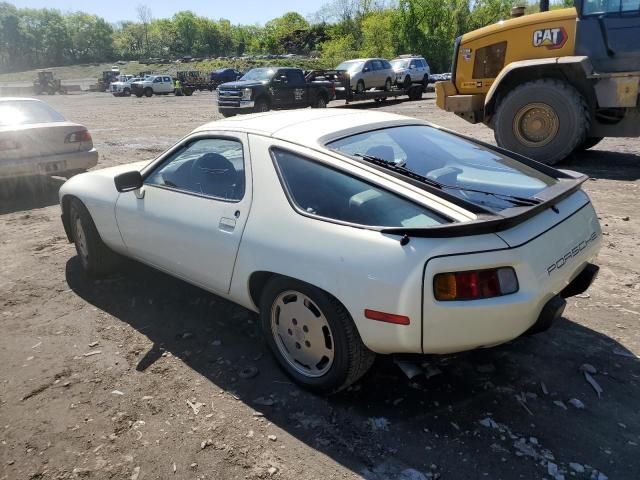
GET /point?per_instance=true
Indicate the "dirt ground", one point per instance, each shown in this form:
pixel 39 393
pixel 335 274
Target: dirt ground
pixel 138 376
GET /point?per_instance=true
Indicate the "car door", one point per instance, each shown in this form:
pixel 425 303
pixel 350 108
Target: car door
pixel 368 75
pixel 167 84
pixel 189 215
pixel 282 93
pixel 378 73
pixel 298 86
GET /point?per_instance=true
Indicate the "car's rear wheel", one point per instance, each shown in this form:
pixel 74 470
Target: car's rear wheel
pixel 321 102
pixel 96 258
pixel 312 336
pixel 261 105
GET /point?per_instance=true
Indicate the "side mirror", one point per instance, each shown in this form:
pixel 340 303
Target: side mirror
pixel 128 181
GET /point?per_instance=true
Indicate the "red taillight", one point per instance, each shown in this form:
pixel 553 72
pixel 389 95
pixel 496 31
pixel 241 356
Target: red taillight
pixel 475 284
pixel 386 317
pixel 76 137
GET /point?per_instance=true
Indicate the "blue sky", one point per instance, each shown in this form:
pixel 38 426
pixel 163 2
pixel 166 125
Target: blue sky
pixel 237 11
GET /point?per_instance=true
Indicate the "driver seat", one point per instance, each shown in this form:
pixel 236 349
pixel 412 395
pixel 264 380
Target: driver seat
pixel 215 175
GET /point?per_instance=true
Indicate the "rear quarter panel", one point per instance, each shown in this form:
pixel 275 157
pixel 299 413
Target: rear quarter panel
pixel 361 268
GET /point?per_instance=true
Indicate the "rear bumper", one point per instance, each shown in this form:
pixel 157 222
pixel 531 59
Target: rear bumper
pixel 49 165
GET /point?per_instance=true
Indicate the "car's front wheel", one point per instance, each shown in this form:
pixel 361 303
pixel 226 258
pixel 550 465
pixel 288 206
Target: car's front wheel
pixel 126 92
pixel 96 258
pixel 312 336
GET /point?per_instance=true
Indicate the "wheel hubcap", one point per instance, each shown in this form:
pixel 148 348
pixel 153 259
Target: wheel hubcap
pixel 80 239
pixel 302 334
pixel 535 124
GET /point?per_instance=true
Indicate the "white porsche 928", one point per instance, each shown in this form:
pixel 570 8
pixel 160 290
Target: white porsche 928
pixel 351 233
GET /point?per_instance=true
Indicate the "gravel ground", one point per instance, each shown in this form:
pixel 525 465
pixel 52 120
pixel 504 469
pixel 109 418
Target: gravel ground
pixel 137 376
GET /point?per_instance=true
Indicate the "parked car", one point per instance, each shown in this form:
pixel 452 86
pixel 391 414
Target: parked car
pixel 410 69
pixel 153 84
pixel 264 89
pixel 122 87
pixel 367 73
pixel 224 75
pixel 37 140
pixel 350 232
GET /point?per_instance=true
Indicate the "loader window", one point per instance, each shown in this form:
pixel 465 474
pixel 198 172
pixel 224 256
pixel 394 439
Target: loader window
pixel 600 7
pixel 489 60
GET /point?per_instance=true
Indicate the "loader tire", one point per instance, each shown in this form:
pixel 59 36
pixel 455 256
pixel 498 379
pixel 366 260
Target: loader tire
pixel 544 119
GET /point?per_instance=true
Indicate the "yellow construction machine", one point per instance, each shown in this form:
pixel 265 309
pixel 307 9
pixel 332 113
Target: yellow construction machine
pixel 553 82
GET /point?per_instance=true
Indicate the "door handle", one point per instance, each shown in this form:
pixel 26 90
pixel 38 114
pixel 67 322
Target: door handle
pixel 227 224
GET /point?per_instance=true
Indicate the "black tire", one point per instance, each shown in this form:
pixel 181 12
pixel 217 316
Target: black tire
pixel 407 82
pixel 425 84
pixel 360 86
pixel 188 92
pixel 148 92
pixel 227 114
pixel 98 259
pixel 588 143
pixel 126 92
pixel 388 84
pixel 351 359
pixel 138 94
pixel 261 105
pixel 570 109
pixel 321 102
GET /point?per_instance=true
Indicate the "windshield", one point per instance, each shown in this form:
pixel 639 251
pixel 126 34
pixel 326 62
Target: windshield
pixel 397 64
pixel 452 161
pixel 350 65
pixel 24 112
pixel 259 74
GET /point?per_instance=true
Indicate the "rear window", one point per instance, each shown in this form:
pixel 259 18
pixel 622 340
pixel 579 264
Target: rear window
pixel 491 179
pixel 322 191
pixel 27 112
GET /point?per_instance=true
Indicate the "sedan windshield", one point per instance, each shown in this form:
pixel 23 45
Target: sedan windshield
pixel 24 112
pixel 350 65
pixel 259 74
pixel 459 167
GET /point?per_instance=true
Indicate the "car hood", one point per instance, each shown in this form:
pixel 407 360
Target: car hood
pixel 240 84
pixel 112 172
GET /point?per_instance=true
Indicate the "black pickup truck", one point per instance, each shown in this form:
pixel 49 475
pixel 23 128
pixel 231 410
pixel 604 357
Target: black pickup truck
pixel 263 89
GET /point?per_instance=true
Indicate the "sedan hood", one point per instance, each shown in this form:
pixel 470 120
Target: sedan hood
pixel 240 84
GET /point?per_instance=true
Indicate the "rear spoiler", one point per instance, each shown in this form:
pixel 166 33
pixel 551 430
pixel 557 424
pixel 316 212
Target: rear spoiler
pixel 568 184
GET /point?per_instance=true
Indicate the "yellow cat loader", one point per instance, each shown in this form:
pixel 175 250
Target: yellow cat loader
pixel 553 82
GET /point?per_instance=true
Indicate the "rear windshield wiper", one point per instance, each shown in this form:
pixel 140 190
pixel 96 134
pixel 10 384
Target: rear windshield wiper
pixel 520 201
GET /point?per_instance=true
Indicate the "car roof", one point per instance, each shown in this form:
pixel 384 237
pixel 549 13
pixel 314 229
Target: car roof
pixel 310 126
pixel 20 99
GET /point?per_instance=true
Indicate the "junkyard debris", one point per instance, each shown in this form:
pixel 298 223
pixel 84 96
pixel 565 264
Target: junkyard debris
pixel 593 383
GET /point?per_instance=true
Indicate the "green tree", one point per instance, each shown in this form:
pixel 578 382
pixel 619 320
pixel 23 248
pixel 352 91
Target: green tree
pixel 377 35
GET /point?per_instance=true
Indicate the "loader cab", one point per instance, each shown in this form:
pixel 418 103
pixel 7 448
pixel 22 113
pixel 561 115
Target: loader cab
pixel 608 32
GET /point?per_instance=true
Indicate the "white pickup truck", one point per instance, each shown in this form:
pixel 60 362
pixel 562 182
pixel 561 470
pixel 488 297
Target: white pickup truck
pixel 153 84
pixel 122 87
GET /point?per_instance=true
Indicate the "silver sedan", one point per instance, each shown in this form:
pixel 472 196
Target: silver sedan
pixel 37 140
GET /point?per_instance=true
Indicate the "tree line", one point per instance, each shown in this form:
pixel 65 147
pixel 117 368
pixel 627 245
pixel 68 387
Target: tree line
pixel 37 38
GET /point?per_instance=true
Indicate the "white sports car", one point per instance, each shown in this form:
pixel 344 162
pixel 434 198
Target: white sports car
pixel 351 233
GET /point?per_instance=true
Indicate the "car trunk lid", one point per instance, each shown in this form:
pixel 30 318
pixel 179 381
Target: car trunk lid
pixel 40 140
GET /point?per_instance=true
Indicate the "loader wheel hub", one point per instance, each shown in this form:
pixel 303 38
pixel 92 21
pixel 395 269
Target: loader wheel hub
pixel 535 124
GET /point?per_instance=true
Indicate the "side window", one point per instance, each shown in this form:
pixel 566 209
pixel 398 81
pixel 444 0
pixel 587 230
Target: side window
pixel 295 77
pixel 167 79
pixel 489 60
pixel 413 64
pixel 323 191
pixel 213 167
pixel 386 65
pixel 598 7
pixel 377 64
pixel 157 80
pixel 367 66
